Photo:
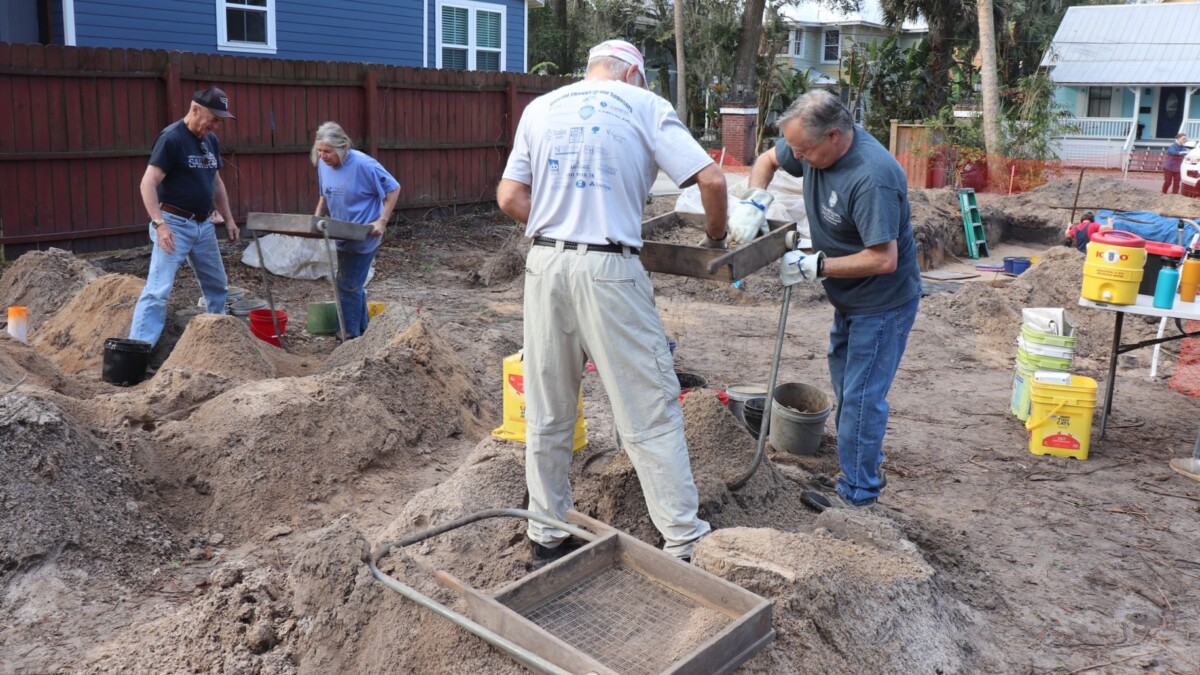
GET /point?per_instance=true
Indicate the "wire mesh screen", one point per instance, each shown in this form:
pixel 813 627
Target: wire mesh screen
pixel 628 622
pixel 1186 376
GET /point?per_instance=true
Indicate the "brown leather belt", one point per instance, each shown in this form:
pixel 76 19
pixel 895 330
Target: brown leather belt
pixel 176 211
pixel 598 248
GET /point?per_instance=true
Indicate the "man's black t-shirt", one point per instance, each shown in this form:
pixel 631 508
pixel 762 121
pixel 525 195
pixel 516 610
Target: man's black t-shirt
pixel 191 165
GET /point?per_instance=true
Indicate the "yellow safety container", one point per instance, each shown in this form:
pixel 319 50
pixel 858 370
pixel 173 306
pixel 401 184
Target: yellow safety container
pixel 1060 422
pixel 1114 267
pixel 513 428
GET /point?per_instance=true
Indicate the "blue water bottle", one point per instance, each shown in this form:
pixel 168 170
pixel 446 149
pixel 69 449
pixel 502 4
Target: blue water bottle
pixel 1168 280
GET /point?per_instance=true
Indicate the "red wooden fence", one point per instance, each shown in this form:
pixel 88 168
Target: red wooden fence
pixel 77 125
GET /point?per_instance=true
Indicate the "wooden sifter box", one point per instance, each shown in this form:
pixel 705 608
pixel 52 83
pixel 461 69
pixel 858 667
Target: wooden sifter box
pixel 620 606
pixel 707 263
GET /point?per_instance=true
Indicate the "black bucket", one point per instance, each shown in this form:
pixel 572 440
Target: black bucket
pixel 752 413
pixel 125 361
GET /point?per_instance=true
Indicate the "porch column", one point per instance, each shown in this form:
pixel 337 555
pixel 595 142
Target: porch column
pixel 1187 104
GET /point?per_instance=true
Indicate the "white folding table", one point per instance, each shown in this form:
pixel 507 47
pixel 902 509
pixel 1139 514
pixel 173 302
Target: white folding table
pixel 1144 306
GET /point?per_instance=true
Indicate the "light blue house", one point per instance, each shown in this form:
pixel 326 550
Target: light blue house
pixel 819 36
pixel 1128 77
pixel 451 34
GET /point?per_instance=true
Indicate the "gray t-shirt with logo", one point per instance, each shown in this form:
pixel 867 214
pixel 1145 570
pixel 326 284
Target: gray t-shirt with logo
pixel 859 202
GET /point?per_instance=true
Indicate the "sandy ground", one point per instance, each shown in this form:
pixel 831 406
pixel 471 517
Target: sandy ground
pixel 211 519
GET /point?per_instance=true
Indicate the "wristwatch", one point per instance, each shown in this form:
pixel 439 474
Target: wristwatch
pixel 158 222
pixel 820 266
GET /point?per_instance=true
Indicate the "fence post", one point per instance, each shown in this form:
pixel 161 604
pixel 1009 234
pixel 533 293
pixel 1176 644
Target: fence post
pixel 371 111
pixel 171 77
pixel 510 91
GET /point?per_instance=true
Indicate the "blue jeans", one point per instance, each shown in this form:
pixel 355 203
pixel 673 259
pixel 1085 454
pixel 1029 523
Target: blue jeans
pixel 195 243
pixel 864 354
pixel 351 281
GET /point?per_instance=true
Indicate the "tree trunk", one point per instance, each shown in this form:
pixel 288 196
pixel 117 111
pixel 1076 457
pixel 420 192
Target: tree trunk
pixel 681 106
pixel 990 91
pixel 746 63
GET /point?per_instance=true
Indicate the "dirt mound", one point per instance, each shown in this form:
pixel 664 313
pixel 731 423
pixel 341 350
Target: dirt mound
pixel 44 281
pixel 721 452
pixel 268 450
pixel 20 363
pixel 221 344
pixel 380 332
pixel 67 494
pixel 844 606
pixel 74 338
pixel 1053 201
pixel 242 624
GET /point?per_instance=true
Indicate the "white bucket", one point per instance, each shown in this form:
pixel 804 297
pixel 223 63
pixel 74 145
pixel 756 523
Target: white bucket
pixel 1045 350
pixel 740 393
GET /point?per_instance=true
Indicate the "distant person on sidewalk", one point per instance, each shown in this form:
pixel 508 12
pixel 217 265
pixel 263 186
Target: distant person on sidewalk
pixel 1173 163
pixel 180 189
pixel 583 160
pixel 357 189
pixel 864 254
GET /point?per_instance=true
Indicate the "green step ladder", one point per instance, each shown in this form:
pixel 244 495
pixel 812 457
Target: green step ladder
pixel 972 224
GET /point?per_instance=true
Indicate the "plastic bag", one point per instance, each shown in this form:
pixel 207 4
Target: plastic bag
pixel 788 205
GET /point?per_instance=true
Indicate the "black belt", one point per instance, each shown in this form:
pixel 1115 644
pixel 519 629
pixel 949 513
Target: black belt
pixel 176 211
pixel 599 248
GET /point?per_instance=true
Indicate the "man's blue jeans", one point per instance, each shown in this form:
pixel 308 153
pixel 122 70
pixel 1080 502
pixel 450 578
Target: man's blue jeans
pixel 351 283
pixel 864 354
pixel 195 243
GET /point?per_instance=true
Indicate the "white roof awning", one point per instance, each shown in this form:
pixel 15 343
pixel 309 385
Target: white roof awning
pixel 1127 44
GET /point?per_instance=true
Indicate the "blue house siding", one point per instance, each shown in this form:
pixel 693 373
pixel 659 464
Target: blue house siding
pixel 186 25
pixel 372 31
pixel 349 30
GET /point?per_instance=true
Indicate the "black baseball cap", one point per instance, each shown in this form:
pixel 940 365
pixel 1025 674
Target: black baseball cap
pixel 215 100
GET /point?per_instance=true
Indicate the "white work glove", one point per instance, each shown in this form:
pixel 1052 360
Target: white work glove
pixel 796 266
pixel 748 218
pixel 709 242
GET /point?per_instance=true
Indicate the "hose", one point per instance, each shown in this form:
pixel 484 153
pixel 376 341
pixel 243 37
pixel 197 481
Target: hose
pixel 524 656
pixel 759 451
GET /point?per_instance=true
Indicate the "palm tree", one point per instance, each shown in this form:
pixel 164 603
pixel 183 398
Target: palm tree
pixel 681 107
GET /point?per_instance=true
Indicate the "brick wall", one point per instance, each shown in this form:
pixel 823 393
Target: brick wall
pixel 738 133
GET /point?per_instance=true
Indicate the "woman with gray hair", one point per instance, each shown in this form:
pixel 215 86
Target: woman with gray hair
pixel 355 188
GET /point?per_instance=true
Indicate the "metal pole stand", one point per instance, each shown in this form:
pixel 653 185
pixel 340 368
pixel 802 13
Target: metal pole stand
pixel 337 300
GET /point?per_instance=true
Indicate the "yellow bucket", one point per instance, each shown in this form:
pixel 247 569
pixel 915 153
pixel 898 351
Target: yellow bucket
pixel 375 309
pixel 513 428
pixel 1114 267
pixel 1060 422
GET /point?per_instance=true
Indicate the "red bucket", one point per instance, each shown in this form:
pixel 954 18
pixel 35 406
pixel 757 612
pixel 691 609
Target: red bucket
pixel 263 328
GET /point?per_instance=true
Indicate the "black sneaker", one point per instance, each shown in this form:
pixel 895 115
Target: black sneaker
pixel 546 554
pixel 820 502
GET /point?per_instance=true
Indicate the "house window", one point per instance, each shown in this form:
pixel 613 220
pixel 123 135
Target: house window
pixel 832 47
pixel 797 42
pixel 470 36
pixel 1099 101
pixel 246 26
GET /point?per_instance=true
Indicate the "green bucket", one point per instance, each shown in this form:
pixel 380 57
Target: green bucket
pixel 321 318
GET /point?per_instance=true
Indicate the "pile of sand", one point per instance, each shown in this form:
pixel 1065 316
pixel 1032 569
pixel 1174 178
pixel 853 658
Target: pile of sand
pixel 74 338
pixel 19 363
pixel 223 345
pixel 67 494
pixel 846 604
pixel 44 281
pixel 266 450
pixel 242 624
pixel 721 452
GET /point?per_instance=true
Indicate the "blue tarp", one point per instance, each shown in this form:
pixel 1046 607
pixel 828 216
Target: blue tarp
pixel 1147 225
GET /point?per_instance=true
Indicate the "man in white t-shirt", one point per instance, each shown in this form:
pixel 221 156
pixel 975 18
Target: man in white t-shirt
pixel 583 160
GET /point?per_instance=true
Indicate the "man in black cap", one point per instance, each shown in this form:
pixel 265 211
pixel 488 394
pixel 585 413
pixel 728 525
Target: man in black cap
pixel 180 188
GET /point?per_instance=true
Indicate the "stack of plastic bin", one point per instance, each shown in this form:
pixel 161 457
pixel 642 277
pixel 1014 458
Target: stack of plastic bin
pixel 1046 344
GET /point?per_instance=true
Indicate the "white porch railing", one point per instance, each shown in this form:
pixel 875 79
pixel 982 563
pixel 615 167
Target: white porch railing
pixel 1099 127
pixel 1192 129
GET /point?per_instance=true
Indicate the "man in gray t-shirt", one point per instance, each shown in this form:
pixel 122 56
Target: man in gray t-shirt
pixel 856 199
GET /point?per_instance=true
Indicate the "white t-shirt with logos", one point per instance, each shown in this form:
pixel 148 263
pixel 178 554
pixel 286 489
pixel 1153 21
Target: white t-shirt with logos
pixel 590 152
